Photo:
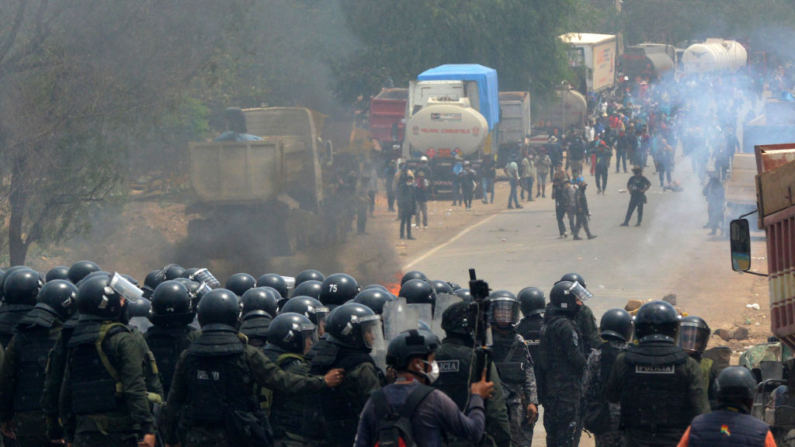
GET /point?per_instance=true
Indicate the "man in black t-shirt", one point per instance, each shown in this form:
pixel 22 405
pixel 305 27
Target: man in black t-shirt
pixel 637 185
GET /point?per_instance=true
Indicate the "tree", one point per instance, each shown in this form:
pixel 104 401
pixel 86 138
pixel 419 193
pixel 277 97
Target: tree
pixel 81 79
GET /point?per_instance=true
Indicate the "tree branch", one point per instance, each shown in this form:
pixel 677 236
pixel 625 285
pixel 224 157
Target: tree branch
pixel 12 34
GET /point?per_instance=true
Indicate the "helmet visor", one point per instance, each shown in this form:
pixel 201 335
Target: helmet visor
pixel 309 332
pixel 125 288
pixel 693 338
pixel 372 335
pixel 580 292
pixel 504 311
pixel 204 275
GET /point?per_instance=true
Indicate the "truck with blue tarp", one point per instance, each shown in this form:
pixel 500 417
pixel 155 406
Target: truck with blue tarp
pixel 452 114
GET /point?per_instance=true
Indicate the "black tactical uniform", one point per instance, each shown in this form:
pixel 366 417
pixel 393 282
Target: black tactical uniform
pixel 562 365
pixel 532 302
pixel 454 358
pixel 659 387
pixel 23 374
pixel 103 398
pixel 56 367
pixel 336 411
pixel 585 319
pixel 214 386
pixel 21 285
pixel 260 305
pixel 292 334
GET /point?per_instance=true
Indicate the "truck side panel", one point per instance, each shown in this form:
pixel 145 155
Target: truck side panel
pixel 780 230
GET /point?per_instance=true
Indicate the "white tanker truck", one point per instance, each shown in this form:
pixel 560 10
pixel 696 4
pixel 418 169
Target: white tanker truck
pixel 714 55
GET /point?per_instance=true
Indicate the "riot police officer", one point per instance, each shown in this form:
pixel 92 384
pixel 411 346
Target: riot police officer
pixel 585 319
pixel 693 338
pixel 213 388
pixel 260 305
pixel 20 289
pixel 291 337
pixel 515 367
pixel 351 333
pixel 104 398
pixel 456 373
pixel 309 288
pixel 60 272
pixel 418 291
pixel 171 332
pixel 152 280
pixel 732 423
pixel 414 274
pixel 310 308
pixel 659 387
pixel 308 275
pixel 601 417
pixel 374 298
pixel 276 282
pixel 239 283
pixel 532 302
pixel 561 364
pixel 80 270
pixel 23 374
pixel 338 289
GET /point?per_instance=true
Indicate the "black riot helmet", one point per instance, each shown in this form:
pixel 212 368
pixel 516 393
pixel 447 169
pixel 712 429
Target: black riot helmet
pixel 374 298
pixel 189 272
pixel 736 386
pixel 440 286
pixel 338 289
pixel 310 308
pixel 308 275
pixel 657 321
pixel 563 296
pixel 309 288
pixel 408 345
pixel 58 297
pixel 239 283
pixel 353 325
pixel 275 282
pixel 260 301
pixel 22 287
pixel 459 319
pixel 376 286
pixel 152 280
pixel 503 310
pixel 8 273
pixel 220 306
pixel 292 332
pixel 97 298
pixel 139 308
pixel 616 324
pixel 171 305
pixel 454 286
pixel 418 291
pixel 574 277
pixel 532 301
pixel 693 334
pixel 502 293
pixel 91 275
pixel 172 272
pixel 60 272
pixel 80 270
pixel 196 291
pixel 464 294
pixel 413 275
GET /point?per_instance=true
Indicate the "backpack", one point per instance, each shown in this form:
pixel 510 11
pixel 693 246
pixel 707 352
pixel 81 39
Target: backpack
pixel 394 428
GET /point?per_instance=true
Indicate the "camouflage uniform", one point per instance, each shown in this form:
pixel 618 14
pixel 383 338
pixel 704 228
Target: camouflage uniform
pixel 593 378
pixel 513 359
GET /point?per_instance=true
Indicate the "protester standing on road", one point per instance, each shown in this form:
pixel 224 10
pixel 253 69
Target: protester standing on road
pixel 512 171
pixel 665 163
pixel 716 202
pixel 467 181
pixel 637 185
pixel 528 176
pixel 422 190
pixel 407 203
pixel 582 213
pixel 389 175
pixel 603 156
pixel 561 198
pixel 487 174
pixel 543 168
pixel 458 167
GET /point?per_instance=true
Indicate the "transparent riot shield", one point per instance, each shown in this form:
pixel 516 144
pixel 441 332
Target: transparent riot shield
pixel 443 301
pixel 398 317
pixel 424 312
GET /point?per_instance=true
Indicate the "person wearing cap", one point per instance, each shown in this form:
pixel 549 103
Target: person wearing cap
pixel 582 214
pixel 423 167
pixel 637 185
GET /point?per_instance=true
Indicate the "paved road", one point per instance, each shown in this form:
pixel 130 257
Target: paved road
pixel 520 248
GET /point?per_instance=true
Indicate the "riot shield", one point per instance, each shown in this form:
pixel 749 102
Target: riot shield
pixel 398 317
pixel 443 301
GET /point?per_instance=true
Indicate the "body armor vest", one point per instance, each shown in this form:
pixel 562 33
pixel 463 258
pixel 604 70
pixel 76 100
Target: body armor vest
pixel 454 360
pixel 558 369
pixel 287 411
pixel 166 344
pixel 94 387
pixel 655 393
pixel 530 330
pixel 340 406
pixel 255 327
pixel 10 316
pixel 218 379
pixel 33 345
pixel 727 428
pixel 510 357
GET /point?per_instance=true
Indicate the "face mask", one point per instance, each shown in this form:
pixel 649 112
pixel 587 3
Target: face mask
pixel 434 374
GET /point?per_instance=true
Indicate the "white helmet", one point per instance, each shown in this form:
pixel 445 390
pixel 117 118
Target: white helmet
pixel 423 158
